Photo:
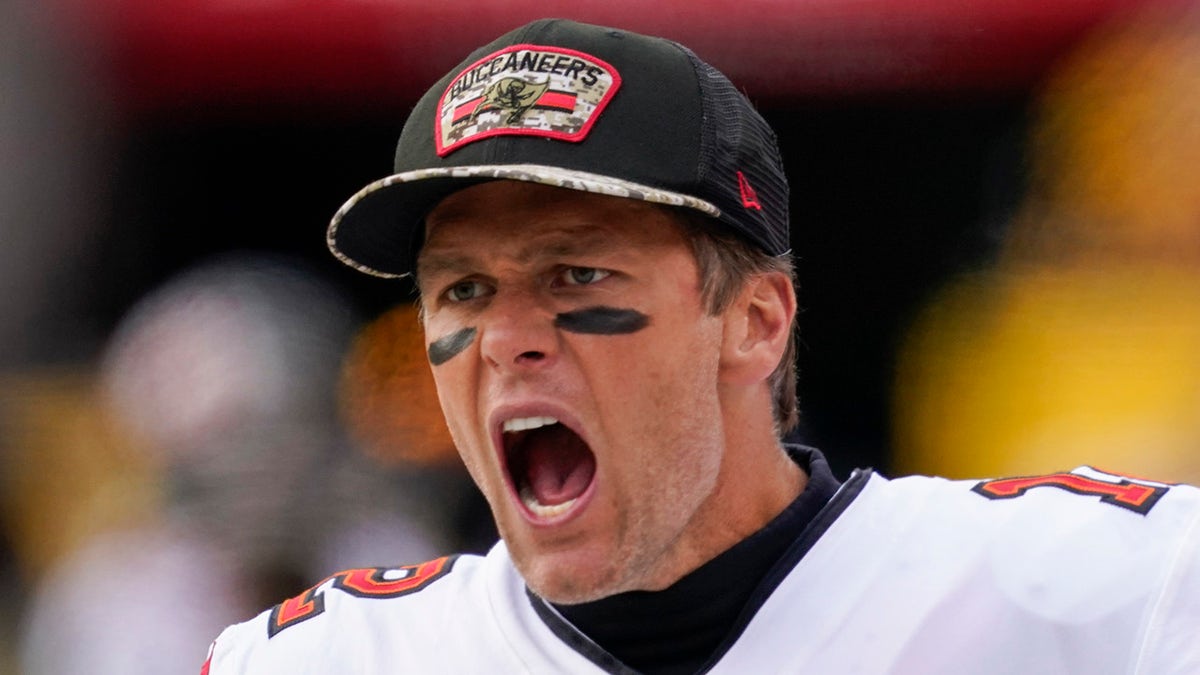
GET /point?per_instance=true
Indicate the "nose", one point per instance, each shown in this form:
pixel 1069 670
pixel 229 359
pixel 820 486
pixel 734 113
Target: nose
pixel 517 334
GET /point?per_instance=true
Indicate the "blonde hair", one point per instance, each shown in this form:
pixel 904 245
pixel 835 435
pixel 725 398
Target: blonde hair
pixel 725 262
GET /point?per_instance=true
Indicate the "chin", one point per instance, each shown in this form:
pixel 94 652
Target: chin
pixel 570 591
pixel 572 579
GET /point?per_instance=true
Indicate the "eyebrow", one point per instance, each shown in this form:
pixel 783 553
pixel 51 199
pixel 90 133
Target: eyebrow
pixel 570 242
pixel 442 264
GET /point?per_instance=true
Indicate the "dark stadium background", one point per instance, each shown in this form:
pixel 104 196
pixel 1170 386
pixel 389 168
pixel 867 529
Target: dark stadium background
pixel 901 125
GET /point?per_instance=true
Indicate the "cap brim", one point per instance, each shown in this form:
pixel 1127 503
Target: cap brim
pixel 378 231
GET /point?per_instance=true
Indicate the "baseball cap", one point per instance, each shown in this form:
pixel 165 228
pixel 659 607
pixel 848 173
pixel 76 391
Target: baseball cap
pixel 582 107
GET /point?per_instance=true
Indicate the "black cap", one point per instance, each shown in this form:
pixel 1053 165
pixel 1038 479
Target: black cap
pixel 581 107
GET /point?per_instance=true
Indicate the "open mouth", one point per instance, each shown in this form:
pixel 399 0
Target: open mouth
pixel 550 465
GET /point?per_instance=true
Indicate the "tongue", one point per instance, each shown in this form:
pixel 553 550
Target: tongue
pixel 558 465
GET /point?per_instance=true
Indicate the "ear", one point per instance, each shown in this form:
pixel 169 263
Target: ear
pixel 758 324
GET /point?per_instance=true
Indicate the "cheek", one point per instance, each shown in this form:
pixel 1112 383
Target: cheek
pixel 665 380
pixel 681 353
pixel 451 389
pixel 456 388
pixel 687 375
pixel 456 410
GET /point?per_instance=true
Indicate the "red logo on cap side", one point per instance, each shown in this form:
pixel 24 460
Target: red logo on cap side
pixel 524 90
pixel 749 196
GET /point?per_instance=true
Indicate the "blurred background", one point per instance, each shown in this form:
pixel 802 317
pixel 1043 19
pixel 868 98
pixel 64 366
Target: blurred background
pixel 996 215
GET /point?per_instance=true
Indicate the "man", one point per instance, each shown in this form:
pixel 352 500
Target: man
pixel 597 222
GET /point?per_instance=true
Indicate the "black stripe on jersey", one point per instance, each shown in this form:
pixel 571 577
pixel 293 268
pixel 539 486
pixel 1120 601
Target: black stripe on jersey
pixel 576 640
pixel 803 544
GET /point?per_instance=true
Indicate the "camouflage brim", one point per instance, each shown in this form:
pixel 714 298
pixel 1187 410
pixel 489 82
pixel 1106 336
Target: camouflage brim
pixel 378 230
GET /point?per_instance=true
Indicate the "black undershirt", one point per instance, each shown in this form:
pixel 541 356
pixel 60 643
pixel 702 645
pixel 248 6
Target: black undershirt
pixel 680 629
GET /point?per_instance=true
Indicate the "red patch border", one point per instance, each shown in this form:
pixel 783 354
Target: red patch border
pixel 576 137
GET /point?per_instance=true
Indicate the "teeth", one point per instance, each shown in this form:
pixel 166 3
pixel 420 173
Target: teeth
pixel 540 509
pixel 524 423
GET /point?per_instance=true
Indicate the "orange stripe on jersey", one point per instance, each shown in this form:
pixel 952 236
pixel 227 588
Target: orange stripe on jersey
pixel 1137 497
pixel 367 582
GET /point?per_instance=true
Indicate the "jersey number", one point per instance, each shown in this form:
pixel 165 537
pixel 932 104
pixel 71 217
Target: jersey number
pixel 1123 492
pixel 370 582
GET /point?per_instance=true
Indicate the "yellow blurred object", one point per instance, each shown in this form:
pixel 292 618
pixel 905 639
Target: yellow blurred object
pixel 69 469
pixel 1081 345
pixel 387 395
pixel 1115 150
pixel 1037 370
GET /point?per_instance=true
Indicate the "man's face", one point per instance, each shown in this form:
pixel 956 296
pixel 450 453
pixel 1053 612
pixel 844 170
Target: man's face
pixel 578 372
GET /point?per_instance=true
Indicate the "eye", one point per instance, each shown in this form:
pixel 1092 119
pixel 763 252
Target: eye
pixel 581 276
pixel 466 290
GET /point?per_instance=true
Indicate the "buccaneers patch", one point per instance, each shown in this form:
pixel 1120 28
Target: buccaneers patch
pixel 525 90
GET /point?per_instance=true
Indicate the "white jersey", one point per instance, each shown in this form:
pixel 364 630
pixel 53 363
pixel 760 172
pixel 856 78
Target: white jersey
pixel 1081 572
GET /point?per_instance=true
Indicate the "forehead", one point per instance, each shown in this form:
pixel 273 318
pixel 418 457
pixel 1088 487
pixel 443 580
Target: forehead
pixel 539 219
